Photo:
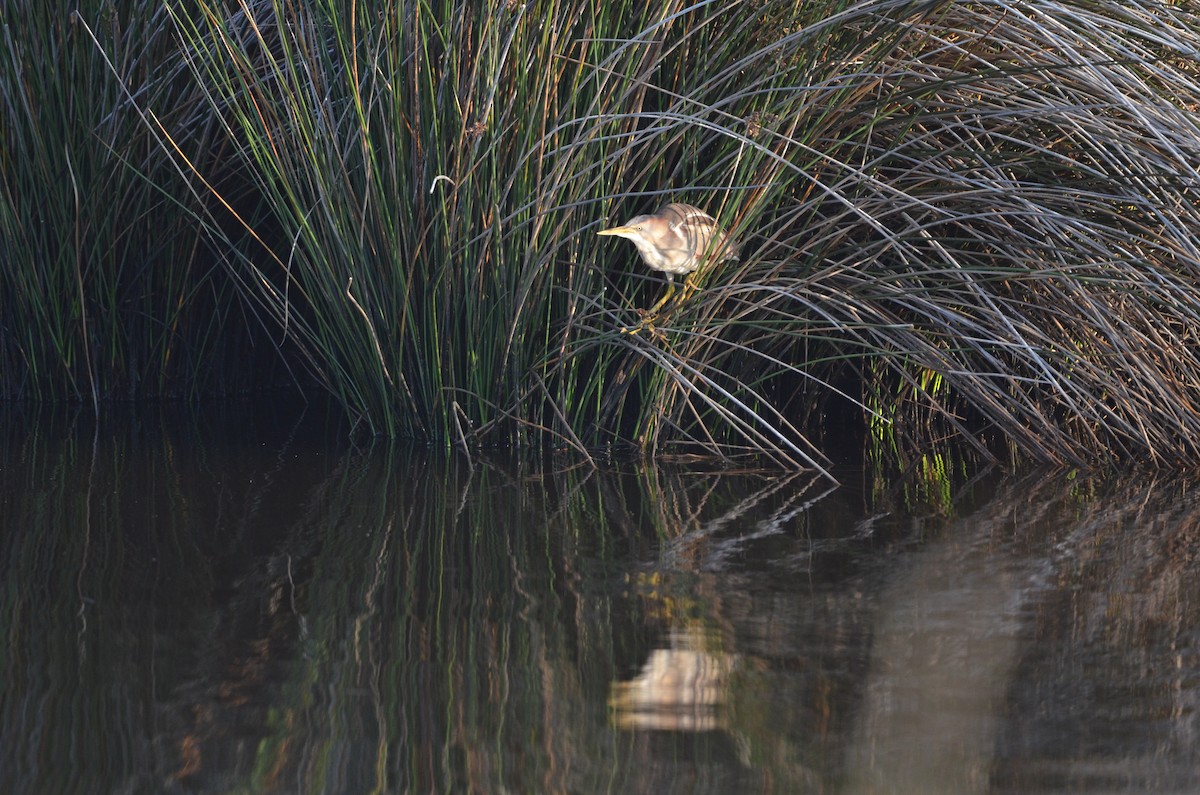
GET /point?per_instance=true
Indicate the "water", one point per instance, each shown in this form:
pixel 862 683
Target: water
pixel 243 602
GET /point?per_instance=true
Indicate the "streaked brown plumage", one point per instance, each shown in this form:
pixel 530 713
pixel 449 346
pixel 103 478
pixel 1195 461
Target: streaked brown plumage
pixel 676 240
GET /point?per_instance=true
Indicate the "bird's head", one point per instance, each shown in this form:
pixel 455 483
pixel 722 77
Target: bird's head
pixel 647 228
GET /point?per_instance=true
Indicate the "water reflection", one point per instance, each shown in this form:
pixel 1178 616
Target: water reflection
pixel 683 687
pixel 239 603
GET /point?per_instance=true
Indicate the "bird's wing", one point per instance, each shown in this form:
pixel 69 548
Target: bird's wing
pixel 687 214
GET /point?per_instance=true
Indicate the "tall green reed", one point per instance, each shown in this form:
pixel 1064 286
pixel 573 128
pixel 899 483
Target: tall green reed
pixel 970 221
pixel 424 242
pixel 104 290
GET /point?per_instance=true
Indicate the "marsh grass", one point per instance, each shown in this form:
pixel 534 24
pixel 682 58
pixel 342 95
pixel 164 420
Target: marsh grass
pixel 979 224
pixel 435 176
pixel 958 221
pixel 104 288
pixel 424 250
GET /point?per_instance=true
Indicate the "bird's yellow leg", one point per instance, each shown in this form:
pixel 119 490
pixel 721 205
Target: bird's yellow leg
pixel 689 287
pixel 644 323
pixel 652 311
pixel 648 316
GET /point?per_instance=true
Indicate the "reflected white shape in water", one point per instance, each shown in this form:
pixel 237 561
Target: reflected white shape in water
pixel 944 652
pixel 683 687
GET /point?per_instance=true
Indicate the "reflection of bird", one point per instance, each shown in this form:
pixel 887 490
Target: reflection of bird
pixel 675 240
pixel 685 687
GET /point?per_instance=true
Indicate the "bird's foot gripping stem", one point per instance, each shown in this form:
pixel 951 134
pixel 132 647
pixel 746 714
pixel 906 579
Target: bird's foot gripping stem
pixel 646 320
pixel 647 317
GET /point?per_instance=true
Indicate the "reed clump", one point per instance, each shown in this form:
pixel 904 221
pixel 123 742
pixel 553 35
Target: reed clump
pixel 106 281
pixel 972 221
pixel 976 220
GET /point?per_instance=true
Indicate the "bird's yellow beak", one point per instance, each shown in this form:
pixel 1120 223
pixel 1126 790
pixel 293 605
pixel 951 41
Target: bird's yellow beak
pixel 616 230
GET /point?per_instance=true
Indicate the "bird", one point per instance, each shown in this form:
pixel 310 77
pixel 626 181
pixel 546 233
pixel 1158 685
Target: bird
pixel 675 240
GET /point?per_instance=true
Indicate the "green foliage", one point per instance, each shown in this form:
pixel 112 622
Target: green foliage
pixel 105 290
pixel 958 220
pixel 426 175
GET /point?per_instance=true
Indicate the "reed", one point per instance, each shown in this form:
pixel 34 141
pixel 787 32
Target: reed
pixel 958 221
pixel 422 243
pixel 955 216
pixel 974 220
pixel 105 288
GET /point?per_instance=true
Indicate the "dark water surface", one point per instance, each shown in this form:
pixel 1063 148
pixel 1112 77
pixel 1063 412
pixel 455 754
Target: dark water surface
pixel 240 603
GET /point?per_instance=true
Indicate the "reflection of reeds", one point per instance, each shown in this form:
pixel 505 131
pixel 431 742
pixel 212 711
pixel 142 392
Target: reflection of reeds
pixel 119 668
pixel 1114 669
pixel 187 612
